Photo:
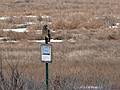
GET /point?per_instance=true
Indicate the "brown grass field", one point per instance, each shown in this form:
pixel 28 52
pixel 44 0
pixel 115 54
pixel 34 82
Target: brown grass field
pixel 89 55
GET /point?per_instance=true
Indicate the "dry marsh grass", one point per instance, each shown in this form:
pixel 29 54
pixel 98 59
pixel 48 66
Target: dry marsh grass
pixel 93 59
pixel 90 62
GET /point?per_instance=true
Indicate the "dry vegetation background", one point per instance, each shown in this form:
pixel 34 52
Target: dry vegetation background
pixel 90 54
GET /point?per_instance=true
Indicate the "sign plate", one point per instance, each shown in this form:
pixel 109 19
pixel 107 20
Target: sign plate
pixel 46 53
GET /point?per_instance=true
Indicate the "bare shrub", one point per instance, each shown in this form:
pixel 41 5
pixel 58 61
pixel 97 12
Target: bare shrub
pixel 14 81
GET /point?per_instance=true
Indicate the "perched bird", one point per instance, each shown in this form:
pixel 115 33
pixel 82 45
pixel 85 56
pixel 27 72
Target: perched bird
pixel 46 33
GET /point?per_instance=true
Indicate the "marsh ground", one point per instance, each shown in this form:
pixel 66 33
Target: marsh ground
pixel 90 53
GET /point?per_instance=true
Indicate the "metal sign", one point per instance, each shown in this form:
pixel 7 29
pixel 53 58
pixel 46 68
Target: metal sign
pixel 46 53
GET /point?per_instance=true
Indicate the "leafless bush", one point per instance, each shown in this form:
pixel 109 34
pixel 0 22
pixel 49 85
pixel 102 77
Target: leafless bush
pixel 14 81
